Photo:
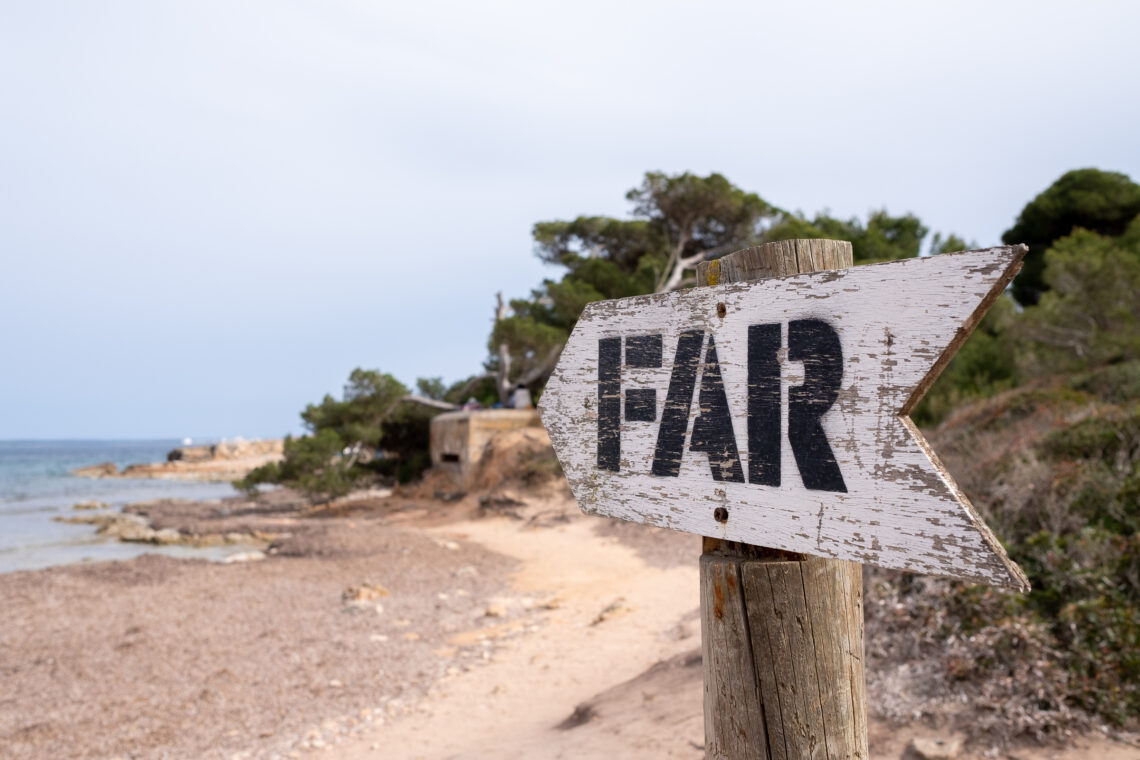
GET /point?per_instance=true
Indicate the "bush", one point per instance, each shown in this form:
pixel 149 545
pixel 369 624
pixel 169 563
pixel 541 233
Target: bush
pixel 313 464
pixel 368 434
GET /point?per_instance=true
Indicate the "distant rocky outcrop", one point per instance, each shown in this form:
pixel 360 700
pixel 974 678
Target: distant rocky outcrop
pixel 226 450
pixel 219 462
pixel 101 470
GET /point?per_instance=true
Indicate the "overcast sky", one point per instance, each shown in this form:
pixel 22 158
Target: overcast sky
pixel 210 212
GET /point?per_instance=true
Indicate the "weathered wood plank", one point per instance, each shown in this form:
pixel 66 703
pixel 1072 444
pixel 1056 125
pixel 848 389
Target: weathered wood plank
pixel 828 587
pixel 809 670
pixel 896 325
pixel 734 718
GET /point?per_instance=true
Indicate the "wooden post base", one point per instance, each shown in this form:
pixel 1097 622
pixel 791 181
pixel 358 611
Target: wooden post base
pixel 783 658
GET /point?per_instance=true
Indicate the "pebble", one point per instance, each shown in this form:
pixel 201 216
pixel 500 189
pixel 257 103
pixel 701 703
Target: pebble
pixel 495 610
pixel 243 556
pixel 935 749
pixel 365 592
pixel 170 536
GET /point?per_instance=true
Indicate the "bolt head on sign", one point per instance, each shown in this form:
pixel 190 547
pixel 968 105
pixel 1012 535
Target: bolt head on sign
pixel 774 412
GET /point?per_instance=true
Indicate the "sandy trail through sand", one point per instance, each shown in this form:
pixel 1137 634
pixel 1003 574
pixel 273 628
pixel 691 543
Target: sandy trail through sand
pixel 510 708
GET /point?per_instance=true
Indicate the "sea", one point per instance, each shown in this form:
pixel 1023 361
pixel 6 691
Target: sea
pixel 35 487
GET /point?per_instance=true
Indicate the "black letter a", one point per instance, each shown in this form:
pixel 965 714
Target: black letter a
pixel 712 430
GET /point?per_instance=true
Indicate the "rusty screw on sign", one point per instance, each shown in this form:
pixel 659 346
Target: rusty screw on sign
pixel 720 514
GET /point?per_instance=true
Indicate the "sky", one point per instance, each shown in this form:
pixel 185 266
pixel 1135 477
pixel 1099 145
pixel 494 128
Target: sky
pixel 211 212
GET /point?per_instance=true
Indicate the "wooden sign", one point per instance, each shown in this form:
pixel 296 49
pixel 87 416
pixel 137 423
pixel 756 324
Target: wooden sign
pixel 775 412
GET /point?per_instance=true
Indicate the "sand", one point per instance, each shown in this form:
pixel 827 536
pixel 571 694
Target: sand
pixel 392 627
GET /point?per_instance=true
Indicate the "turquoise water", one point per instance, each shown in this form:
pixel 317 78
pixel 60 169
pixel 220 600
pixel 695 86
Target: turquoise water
pixel 35 487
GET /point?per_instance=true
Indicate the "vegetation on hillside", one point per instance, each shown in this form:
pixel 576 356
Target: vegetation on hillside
pixel 1049 451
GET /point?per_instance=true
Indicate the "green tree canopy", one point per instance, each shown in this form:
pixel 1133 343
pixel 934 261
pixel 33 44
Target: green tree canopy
pixel 371 431
pixel 676 222
pixel 1090 199
pixel 882 238
pixel 1091 313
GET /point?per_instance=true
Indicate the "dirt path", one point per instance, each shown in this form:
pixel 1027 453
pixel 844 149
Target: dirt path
pixel 614 615
pixel 628 686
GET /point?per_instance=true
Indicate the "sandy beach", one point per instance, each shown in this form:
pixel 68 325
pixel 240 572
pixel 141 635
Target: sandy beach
pixel 396 626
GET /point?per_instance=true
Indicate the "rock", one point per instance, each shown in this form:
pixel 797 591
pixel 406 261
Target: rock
pixel 166 536
pixel 101 470
pixel 935 749
pixel 365 592
pixel 617 608
pixel 236 449
pixel 494 611
pixel 360 605
pixel 245 557
pixel 91 504
pixel 125 527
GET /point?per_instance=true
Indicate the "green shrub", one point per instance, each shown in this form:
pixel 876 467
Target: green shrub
pixel 1108 436
pixel 369 433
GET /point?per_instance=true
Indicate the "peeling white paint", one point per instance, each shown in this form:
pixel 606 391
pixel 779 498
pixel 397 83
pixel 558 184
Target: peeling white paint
pixel 898 324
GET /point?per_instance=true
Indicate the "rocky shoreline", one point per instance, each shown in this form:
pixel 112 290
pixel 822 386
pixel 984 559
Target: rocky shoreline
pixel 220 462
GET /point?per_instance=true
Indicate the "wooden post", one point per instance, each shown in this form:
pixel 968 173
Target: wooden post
pixel 782 632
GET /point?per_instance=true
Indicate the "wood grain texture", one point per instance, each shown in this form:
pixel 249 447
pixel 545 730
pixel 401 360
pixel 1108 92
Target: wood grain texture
pixel 734 714
pixel 898 323
pixel 809 661
pixel 803 635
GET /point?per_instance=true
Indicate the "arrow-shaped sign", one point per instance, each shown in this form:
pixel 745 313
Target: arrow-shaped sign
pixel 775 412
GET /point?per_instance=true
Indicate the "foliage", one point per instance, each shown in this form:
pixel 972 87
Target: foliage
pixel 882 238
pixel 366 434
pixel 676 222
pixel 1088 321
pixel 313 465
pixel 1088 586
pixel 1091 314
pixel 983 366
pixel 1089 199
pixel 431 387
pixel 1055 467
pixel 949 244
pixel 480 387
pixel 368 397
